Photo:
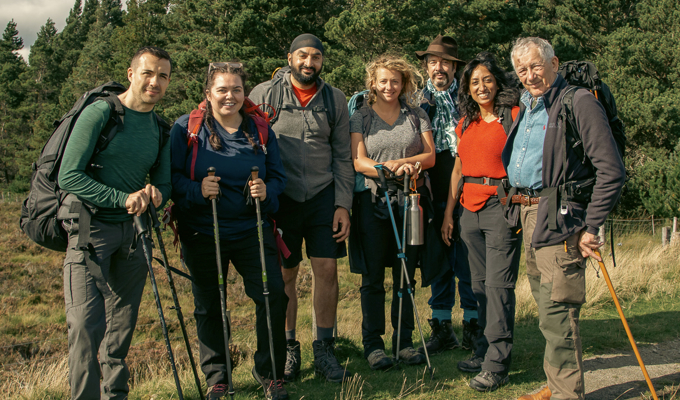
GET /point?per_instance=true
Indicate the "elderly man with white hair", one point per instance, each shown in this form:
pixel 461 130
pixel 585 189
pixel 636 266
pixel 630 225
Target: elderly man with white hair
pixel 561 203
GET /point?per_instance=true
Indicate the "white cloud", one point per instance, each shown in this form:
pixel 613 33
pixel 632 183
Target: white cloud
pixel 30 15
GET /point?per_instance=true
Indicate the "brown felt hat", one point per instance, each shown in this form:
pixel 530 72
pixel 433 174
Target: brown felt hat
pixel 444 47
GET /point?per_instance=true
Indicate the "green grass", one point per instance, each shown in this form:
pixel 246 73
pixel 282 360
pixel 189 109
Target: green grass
pixel 33 346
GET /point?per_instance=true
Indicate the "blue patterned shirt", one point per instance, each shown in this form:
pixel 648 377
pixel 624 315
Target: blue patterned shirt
pixel 526 160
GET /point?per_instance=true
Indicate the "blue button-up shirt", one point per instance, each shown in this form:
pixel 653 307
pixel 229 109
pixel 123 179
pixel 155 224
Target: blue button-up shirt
pixel 526 160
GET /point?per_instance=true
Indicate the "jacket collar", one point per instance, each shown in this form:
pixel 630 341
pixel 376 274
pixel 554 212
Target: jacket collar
pixel 553 94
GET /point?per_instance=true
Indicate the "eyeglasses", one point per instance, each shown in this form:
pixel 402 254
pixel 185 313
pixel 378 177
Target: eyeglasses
pixel 232 65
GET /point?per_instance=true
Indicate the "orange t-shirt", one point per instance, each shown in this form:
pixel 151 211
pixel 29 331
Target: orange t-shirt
pixel 304 95
pixel 480 148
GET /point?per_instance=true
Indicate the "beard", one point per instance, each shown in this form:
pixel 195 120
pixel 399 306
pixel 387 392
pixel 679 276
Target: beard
pixel 305 79
pixel 441 83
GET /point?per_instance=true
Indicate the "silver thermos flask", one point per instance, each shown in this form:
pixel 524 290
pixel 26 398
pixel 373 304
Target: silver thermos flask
pixel 414 221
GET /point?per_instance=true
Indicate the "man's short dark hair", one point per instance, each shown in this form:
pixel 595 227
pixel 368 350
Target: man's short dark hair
pixel 154 51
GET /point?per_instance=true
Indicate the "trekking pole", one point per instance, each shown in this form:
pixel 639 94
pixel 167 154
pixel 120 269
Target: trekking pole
pixel 625 326
pixel 254 171
pixel 142 228
pixel 155 223
pixel 223 291
pixel 403 250
pixel 402 258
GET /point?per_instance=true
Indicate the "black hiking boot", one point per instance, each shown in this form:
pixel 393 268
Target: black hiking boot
pixel 293 361
pixel 273 389
pixel 472 364
pixel 471 332
pixel 442 338
pixel 325 363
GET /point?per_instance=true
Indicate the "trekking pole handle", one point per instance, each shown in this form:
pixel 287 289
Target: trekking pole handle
pixel 254 171
pixel 140 225
pixel 211 172
pixel 155 223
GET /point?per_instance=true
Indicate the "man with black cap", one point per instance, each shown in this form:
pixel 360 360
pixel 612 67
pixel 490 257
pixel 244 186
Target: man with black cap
pixel 440 95
pixel 312 126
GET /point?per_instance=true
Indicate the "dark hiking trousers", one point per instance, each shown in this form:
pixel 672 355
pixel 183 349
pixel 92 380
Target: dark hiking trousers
pixel 493 252
pixel 381 252
pixel 444 289
pixel 101 312
pixel 244 254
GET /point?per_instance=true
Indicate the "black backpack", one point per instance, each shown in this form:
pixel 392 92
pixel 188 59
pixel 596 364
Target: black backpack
pixel 47 205
pixel 584 74
pixel 277 99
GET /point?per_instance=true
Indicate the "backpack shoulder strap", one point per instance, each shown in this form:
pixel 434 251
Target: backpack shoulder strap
pixel 570 135
pixel 277 92
pixel 506 118
pixel 164 136
pixel 329 103
pixel 366 118
pixel 193 126
pixel 114 125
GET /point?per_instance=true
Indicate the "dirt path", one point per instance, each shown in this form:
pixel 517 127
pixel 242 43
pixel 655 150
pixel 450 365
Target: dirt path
pixel 618 376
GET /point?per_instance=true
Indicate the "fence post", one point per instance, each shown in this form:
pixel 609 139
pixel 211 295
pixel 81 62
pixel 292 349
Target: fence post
pixel 664 236
pixel 653 225
pixel 675 237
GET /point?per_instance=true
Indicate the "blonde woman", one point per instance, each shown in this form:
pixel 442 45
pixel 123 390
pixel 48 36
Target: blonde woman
pixel 393 131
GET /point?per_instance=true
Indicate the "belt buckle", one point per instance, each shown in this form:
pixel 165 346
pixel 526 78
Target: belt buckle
pixel 485 181
pixel 527 199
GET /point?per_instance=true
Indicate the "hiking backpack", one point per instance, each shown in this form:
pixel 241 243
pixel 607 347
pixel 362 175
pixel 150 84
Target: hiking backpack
pixel 584 74
pixel 277 99
pixel 47 204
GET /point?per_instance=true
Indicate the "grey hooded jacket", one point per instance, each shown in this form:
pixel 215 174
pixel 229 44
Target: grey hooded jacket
pixel 313 156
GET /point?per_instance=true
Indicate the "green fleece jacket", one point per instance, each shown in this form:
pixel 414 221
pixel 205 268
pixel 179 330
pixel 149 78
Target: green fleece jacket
pixel 122 168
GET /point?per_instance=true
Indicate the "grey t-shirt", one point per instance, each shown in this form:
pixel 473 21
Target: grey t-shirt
pixel 384 142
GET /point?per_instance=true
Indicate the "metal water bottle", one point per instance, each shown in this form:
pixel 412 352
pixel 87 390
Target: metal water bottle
pixel 414 221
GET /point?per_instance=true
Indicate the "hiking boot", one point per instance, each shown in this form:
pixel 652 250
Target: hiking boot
pixel 325 363
pixel 379 360
pixel 472 364
pixel 273 389
pixel 218 391
pixel 410 356
pixel 544 394
pixel 293 361
pixel 488 381
pixel 442 338
pixel 471 332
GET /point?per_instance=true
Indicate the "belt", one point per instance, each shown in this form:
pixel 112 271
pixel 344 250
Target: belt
pixel 484 180
pixel 521 199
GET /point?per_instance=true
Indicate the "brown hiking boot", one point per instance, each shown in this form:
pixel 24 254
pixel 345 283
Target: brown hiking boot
pixel 544 394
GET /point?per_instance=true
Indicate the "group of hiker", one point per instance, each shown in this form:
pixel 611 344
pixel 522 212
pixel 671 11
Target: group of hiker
pixel 487 160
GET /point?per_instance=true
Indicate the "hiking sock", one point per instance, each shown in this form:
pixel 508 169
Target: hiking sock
pixel 469 315
pixel 324 333
pixel 441 315
pixel 290 335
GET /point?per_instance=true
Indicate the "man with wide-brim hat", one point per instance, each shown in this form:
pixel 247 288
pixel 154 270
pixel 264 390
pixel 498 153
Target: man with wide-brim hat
pixel 440 101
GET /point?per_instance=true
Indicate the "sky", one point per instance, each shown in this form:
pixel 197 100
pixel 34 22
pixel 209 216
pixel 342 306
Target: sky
pixel 31 15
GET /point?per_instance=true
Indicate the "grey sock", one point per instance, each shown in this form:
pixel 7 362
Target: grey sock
pixel 324 333
pixel 290 335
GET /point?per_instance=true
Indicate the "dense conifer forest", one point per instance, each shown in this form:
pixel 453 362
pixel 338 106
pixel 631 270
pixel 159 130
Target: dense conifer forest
pixel 635 44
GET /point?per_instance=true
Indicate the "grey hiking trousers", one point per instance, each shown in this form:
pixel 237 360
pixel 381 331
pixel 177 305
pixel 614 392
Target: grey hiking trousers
pixel 102 302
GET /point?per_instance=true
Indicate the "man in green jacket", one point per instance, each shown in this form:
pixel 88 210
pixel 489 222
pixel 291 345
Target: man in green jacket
pixel 103 287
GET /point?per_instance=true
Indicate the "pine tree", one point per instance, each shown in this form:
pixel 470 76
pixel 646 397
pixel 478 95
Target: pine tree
pixel 12 65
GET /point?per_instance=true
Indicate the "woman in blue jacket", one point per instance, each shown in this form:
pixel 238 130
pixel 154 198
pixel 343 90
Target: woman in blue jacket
pixel 228 140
